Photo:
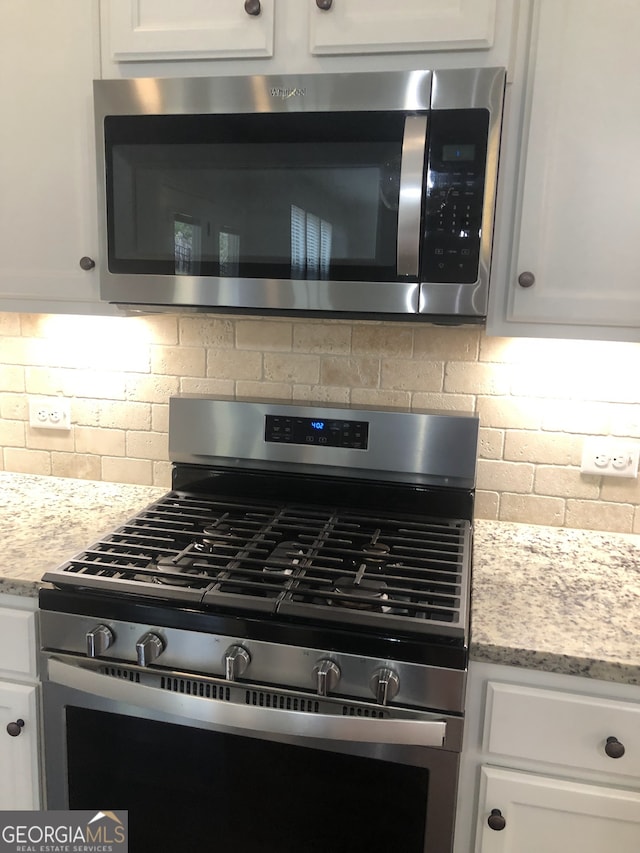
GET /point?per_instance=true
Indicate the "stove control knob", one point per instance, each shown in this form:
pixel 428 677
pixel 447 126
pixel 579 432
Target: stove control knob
pixel 99 640
pixel 148 648
pixel 236 660
pixel 384 685
pixel 327 675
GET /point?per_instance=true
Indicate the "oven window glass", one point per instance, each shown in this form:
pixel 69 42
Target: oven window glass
pixel 192 789
pixel 294 196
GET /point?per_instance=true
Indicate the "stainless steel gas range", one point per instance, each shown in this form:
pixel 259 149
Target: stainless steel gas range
pixel 274 653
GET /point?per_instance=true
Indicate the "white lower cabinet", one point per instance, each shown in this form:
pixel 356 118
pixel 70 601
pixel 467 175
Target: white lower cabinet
pixel 551 764
pixel 544 814
pixel 19 784
pixel 19 716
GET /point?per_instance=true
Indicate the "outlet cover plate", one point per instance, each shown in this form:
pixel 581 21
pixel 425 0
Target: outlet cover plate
pixel 610 457
pixel 49 413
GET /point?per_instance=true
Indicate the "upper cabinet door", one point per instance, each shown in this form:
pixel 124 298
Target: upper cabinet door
pixel 577 247
pixel 49 54
pixel 378 26
pixel 189 29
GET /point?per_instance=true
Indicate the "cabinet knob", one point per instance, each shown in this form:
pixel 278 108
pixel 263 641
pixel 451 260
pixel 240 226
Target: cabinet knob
pixel 526 279
pixel 87 263
pixel 325 5
pixel 496 820
pixel 614 748
pixel 252 7
pixel 14 729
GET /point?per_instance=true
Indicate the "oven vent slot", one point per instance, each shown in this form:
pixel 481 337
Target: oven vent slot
pixel 284 703
pixel 193 687
pixel 117 672
pixel 350 711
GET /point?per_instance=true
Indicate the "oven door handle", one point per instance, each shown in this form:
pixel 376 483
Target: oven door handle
pixel 252 718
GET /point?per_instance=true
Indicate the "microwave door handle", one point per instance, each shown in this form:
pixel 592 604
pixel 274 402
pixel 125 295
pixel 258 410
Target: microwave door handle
pixel 412 167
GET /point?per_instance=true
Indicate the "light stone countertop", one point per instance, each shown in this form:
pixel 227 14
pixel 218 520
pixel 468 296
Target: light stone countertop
pixel 545 598
pixel 46 520
pixel 557 599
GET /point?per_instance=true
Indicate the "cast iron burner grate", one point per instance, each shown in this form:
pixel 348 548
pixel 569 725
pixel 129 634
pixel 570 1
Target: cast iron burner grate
pixel 302 561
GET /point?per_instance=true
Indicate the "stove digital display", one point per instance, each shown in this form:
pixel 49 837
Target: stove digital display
pixel 281 429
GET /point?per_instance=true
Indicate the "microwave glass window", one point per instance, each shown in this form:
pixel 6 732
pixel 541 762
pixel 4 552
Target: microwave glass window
pixel 186 245
pixel 318 202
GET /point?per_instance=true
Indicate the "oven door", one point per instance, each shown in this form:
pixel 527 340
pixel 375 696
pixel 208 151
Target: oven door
pixel 199 762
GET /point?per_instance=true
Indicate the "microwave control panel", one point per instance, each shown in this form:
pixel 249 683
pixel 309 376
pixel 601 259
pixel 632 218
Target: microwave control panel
pixel 456 167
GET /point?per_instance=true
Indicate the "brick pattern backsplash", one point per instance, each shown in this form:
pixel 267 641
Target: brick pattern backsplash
pixel 537 399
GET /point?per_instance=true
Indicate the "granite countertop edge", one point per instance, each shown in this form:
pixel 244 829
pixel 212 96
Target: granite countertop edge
pixel 553 599
pixel 619 672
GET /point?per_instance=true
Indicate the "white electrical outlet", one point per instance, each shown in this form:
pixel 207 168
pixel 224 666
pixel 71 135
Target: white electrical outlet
pixel 609 457
pixel 49 413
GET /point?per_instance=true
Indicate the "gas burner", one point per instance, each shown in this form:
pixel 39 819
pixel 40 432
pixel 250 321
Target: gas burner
pixel 180 570
pixel 376 550
pixel 213 535
pixel 357 593
pixel 371 554
pixel 283 559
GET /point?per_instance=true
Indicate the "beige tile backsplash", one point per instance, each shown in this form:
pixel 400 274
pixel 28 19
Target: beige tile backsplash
pixel 537 399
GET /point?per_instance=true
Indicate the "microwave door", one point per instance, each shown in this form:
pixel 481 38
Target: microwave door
pixel 411 195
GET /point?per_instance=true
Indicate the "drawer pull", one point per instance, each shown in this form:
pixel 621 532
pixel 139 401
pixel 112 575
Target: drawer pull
pixel 252 7
pixel 496 820
pixel 526 279
pixel 14 729
pixel 614 748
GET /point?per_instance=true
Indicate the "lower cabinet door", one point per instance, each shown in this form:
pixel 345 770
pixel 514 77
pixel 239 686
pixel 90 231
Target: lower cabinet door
pixel 19 778
pixel 540 814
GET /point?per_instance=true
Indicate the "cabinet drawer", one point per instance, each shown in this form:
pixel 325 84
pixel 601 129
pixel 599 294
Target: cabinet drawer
pixel 17 643
pixel 561 728
pixel 544 814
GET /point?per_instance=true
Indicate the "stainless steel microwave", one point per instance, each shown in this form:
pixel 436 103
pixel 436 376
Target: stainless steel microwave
pixel 355 195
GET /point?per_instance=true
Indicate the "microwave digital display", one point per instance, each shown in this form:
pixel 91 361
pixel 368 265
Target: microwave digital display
pixel 452 153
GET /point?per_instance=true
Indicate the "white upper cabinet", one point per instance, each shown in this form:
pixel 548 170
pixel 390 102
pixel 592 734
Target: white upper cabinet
pixel 574 269
pixel 376 26
pixel 49 54
pixel 190 29
pixel 165 38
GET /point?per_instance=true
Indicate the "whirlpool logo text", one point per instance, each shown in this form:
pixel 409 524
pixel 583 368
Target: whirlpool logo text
pixel 288 92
